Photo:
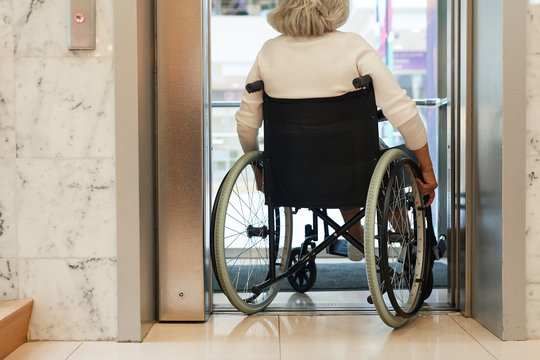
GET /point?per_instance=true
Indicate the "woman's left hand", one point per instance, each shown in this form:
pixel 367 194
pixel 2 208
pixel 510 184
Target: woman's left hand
pixel 428 186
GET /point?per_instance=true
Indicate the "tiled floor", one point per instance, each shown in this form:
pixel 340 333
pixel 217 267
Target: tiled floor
pixel 446 336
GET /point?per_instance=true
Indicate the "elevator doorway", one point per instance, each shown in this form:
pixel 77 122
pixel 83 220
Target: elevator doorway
pixel 410 36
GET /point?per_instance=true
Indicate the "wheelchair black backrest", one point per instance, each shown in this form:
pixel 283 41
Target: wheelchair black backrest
pixel 320 153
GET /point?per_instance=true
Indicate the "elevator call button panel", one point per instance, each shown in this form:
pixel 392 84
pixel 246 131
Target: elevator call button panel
pixel 81 24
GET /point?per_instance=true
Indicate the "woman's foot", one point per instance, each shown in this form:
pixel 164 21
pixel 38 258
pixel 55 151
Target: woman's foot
pixel 357 230
pixel 353 253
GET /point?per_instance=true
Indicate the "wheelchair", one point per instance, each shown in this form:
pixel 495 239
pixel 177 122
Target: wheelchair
pixel 316 155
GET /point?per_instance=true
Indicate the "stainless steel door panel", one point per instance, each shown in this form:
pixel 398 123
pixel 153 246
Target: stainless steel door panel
pixel 183 159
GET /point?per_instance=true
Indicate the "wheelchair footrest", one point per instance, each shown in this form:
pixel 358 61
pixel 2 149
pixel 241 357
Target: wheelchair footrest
pixel 338 247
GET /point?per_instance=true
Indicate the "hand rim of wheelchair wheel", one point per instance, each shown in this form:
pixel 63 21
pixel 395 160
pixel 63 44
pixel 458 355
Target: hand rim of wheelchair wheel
pixel 212 222
pixel 412 265
pixel 373 198
pixel 244 301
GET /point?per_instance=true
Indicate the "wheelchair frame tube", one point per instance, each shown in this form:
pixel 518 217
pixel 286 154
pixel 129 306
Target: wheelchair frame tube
pixel 328 221
pixel 340 231
pixel 271 243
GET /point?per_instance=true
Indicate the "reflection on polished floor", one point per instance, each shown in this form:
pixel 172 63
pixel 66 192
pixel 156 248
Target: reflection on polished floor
pixel 278 337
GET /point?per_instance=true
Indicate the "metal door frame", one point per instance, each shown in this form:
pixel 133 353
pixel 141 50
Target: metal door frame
pixel 453 83
pixel 466 114
pixel 460 161
pixel 183 158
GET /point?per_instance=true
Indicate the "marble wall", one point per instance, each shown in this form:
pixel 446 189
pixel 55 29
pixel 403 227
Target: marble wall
pixel 57 182
pixel 533 169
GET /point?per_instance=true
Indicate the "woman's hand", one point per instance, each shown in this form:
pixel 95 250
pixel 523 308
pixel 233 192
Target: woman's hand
pixel 428 186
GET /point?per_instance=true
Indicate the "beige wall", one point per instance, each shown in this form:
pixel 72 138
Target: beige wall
pixel 135 137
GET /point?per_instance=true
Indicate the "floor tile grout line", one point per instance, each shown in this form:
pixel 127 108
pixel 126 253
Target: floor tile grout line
pixel 73 352
pixel 279 335
pixel 475 339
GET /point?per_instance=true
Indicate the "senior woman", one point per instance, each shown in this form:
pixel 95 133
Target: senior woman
pixel 311 59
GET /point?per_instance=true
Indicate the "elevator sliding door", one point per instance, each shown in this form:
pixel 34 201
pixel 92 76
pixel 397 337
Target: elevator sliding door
pixel 183 159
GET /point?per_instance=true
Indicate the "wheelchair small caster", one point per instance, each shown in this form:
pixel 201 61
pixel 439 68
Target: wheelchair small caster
pixel 303 279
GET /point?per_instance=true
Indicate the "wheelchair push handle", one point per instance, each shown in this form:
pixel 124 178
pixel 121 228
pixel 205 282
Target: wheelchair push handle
pixel 255 86
pixel 362 82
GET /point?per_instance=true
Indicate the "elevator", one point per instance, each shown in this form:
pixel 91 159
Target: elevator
pixel 190 38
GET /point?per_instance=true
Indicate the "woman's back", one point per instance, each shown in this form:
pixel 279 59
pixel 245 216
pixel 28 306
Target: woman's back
pixel 295 67
pixel 310 67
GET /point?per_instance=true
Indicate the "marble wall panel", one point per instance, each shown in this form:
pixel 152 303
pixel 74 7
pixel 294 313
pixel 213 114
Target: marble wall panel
pixel 6 28
pixel 8 279
pixel 533 195
pixel 533 170
pixel 40 29
pixel 533 27
pixel 533 268
pixel 74 299
pixel 7 113
pixel 57 172
pixel 8 226
pixel 532 206
pixel 64 107
pixel 66 208
pixel 533 311
pixel 533 104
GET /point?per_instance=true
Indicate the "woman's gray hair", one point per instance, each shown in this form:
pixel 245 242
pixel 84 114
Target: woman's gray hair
pixel 308 17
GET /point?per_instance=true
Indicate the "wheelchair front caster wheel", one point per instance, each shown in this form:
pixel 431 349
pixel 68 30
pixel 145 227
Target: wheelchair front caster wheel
pixel 304 279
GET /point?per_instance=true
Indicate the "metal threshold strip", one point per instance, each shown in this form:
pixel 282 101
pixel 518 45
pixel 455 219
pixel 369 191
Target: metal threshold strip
pixel 435 102
pixel 330 310
pixel 330 302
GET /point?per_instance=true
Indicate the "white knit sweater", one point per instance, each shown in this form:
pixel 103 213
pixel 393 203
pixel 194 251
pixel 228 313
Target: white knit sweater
pixel 324 66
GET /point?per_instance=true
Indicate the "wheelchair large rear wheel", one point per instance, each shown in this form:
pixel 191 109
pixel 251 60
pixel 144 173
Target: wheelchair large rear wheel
pixel 395 239
pixel 240 241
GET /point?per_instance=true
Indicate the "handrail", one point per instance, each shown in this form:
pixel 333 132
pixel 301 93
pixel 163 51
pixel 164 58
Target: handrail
pixel 225 104
pixel 435 102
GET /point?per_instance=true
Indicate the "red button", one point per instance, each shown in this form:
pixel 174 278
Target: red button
pixel 79 18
